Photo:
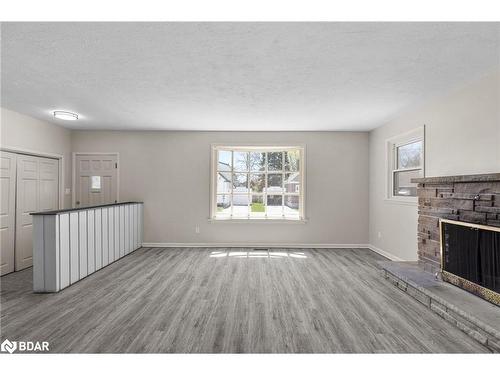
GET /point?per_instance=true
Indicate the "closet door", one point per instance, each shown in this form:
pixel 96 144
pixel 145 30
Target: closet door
pixel 37 190
pixel 48 193
pixel 7 211
pixel 27 197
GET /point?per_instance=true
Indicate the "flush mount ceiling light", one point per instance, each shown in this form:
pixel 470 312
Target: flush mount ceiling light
pixel 64 115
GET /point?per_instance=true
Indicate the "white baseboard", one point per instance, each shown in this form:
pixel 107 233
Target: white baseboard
pixel 264 244
pixel 385 253
pixel 275 245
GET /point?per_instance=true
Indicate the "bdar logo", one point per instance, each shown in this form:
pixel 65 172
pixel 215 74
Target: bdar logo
pixel 24 346
pixel 8 346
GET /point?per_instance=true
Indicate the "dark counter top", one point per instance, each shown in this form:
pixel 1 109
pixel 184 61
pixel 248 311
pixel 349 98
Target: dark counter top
pixel 55 212
pixel 489 177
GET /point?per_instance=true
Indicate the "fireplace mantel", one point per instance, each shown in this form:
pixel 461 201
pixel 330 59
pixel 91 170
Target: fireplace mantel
pixel 490 177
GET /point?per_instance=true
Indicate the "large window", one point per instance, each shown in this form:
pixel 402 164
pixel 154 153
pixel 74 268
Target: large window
pixel 406 161
pixel 254 182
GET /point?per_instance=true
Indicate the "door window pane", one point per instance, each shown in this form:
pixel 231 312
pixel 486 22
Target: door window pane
pixel 224 160
pixel 95 183
pixel 409 156
pixel 275 161
pixel 241 161
pixel 403 185
pixel 257 182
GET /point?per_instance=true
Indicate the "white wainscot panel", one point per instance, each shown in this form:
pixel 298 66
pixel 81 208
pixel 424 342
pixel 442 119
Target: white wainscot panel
pixel 64 256
pixel 117 232
pixel 98 238
pixel 73 252
pixel 105 236
pixel 69 246
pixel 82 243
pixel 90 241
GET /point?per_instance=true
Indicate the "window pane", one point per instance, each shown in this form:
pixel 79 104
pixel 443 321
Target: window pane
pixel 223 205
pixel 291 206
pixel 292 183
pixel 240 183
pixel 402 184
pixel 292 160
pixel 257 207
pixel 409 156
pixel 274 183
pixel 257 161
pixel 257 182
pixel 274 205
pixel 224 161
pixel 241 161
pixel 240 205
pixel 223 182
pixel 275 161
pixel 96 183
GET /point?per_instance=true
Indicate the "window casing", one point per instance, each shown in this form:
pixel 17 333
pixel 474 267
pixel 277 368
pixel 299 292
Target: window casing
pixel 405 161
pixel 257 182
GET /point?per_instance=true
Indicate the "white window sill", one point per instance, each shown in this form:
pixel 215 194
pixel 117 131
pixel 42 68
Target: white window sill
pixel 257 221
pixel 405 201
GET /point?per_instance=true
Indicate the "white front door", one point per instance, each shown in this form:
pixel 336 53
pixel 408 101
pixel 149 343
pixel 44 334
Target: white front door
pixel 37 190
pixel 7 211
pixel 96 179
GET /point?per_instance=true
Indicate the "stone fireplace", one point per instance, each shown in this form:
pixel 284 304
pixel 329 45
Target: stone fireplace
pixel 471 202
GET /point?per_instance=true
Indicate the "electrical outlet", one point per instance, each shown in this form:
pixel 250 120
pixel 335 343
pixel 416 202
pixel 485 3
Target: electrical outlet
pixel 67 191
pixel 197 229
pixel 379 234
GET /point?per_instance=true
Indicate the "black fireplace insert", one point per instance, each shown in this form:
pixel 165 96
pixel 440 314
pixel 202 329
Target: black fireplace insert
pixel 470 258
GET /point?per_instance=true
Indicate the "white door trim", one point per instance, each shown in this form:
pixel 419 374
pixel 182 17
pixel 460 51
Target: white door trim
pixel 60 157
pixel 73 172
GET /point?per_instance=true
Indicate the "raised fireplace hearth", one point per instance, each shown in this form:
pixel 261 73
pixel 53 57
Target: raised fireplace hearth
pixel 463 212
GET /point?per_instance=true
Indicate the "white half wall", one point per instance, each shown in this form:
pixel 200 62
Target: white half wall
pixel 462 137
pixel 23 132
pixel 170 172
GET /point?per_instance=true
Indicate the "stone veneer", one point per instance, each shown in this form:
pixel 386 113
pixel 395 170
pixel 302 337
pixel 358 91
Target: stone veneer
pixel 472 199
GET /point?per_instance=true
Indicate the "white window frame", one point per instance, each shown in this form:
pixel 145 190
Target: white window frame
pixel 256 148
pixel 392 145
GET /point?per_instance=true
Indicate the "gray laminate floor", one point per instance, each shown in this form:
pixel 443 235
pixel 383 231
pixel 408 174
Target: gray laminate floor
pixel 229 300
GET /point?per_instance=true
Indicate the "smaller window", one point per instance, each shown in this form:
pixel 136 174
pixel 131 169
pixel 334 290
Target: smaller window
pixel 406 161
pixel 96 183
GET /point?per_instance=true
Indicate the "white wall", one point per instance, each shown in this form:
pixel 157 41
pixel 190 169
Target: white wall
pixel 462 137
pixel 346 171
pixel 160 167
pixel 24 132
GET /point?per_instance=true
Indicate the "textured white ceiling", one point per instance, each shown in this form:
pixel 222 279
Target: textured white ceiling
pixel 237 76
